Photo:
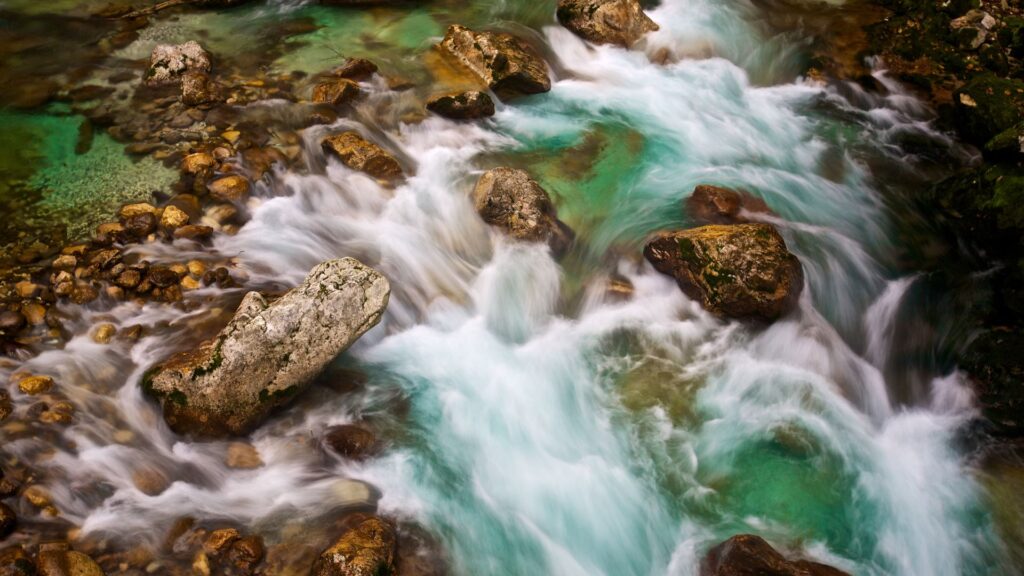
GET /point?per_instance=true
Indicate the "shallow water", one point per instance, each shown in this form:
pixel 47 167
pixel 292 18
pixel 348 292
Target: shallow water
pixel 535 424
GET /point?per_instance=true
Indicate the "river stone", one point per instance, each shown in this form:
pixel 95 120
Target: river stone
pixel 740 271
pixel 350 441
pixel 717 205
pixel 620 22
pixel 8 521
pixel 505 63
pixel 510 199
pixel 360 154
pixel 749 555
pixel 268 352
pixel 336 91
pixel 167 63
pixel 367 550
pixel 196 89
pixel 232 188
pixel 462 106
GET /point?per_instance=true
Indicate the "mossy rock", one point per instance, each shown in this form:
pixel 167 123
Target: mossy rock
pixel 995 363
pixel 987 106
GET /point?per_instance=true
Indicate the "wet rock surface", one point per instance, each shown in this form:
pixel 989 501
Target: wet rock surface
pixel 740 271
pixel 469 105
pixel 749 555
pixel 620 22
pixel 507 64
pixel 368 549
pixel 360 154
pixel 269 351
pixel 510 199
pixel 717 205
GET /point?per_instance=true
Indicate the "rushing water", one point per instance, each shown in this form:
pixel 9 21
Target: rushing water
pixel 535 423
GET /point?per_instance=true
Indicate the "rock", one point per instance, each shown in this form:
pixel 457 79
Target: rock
pixel 33 385
pixel 268 352
pixel 509 66
pixel 336 91
pixel 198 163
pixel 739 271
pixel 197 88
pixel 360 154
pixel 987 106
pixel 128 279
pixel 103 333
pixel 972 29
pixel 168 64
pixel 510 199
pixel 195 232
pixel 150 481
pixel 246 553
pixel 620 22
pixel 141 225
pixel 366 550
pixel 242 456
pixel 130 210
pixel 11 321
pixel 55 559
pixel 14 561
pixel 749 555
pixel 350 441
pixel 8 521
pixel 994 362
pixel 462 106
pixel 6 408
pixel 65 262
pixel 172 218
pixel 355 69
pixel 716 205
pixel 233 188
pixel 220 540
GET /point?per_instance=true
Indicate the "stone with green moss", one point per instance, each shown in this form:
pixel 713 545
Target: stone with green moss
pixel 269 352
pixel 736 271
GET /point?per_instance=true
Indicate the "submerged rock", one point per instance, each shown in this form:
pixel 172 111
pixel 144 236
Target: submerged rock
pixel 717 205
pixel 510 199
pixel 168 64
pixel 269 351
pixel 8 521
pixel 367 550
pixel 197 88
pixel 358 153
pixel 505 63
pixel 749 555
pixel 739 271
pixel 350 441
pixel 620 22
pixel 462 106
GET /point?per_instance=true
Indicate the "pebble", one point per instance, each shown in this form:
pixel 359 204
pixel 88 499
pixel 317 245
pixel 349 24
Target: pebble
pixel 33 385
pixel 103 333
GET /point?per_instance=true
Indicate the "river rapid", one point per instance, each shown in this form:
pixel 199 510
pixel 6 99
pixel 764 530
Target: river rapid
pixel 534 421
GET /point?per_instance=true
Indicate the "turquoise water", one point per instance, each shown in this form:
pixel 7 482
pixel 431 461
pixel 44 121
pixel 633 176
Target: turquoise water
pixel 537 426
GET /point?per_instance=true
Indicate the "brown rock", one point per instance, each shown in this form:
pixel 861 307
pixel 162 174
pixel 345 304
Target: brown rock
pixel 468 105
pixel 33 385
pixel 620 22
pixel 84 293
pixel 246 554
pixel 172 218
pixel 219 540
pixel 737 271
pixel 11 321
pixel 336 91
pixel 197 89
pixel 194 232
pixel 28 289
pixel 509 66
pixel 510 199
pixel 8 521
pixel 366 550
pixel 65 262
pixel 233 188
pixel 141 225
pixel 749 555
pixel 350 441
pixel 150 481
pixel 128 279
pixel 103 333
pixel 360 154
pixel 242 456
pixel 717 205
pixel 355 69
pixel 162 276
pixel 198 163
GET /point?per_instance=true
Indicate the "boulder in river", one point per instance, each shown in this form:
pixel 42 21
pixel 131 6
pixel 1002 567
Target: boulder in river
pixel 358 153
pixel 336 91
pixel 168 64
pixel 367 549
pixel 350 441
pixel 510 199
pixel 508 65
pixel 740 271
pixel 620 22
pixel 468 105
pixel 269 351
pixel 749 555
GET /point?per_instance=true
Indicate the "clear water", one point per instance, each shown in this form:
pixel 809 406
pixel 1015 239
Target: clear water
pixel 534 425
